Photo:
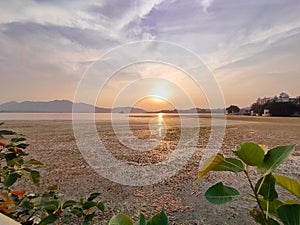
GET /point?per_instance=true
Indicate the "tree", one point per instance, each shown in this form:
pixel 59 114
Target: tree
pixel 257 108
pixel 233 109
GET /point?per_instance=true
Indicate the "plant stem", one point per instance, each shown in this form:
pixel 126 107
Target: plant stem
pixel 255 194
pixel 267 212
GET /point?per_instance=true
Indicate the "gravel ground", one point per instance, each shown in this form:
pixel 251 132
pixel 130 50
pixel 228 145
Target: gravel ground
pixel 182 197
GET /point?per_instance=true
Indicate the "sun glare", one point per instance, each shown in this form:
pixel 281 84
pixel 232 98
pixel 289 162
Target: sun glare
pixel 160 115
pixel 160 92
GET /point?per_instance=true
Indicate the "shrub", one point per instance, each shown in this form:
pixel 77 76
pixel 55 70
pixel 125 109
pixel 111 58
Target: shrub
pixel 269 210
pixel 33 208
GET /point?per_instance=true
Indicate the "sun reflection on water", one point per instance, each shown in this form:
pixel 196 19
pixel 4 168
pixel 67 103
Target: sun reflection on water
pixel 160 123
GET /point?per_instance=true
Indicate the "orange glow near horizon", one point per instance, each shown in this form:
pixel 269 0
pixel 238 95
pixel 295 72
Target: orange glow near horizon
pixel 153 103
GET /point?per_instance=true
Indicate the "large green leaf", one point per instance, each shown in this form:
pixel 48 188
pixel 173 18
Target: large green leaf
pixel 273 206
pixel 49 219
pixel 159 219
pixel 209 164
pixel 259 217
pixel 120 219
pixel 230 164
pixel 220 194
pixel 289 214
pixel 265 186
pixel 251 153
pixel 289 184
pixel 274 158
pixel 11 179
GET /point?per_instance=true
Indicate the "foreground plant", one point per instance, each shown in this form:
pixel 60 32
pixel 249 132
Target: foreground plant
pixel 269 210
pixel 122 219
pixel 30 208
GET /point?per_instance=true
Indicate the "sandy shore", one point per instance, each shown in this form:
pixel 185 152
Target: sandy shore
pixel 53 143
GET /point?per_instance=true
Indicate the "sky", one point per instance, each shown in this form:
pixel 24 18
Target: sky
pixel 251 49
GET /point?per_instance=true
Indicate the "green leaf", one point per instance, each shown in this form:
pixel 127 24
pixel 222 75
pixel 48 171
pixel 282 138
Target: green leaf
pixel 289 184
pixel 7 132
pixel 209 164
pixel 51 206
pixel 22 145
pixel 160 218
pixel 274 158
pixel 250 153
pixel 259 217
pixel 101 206
pixel 88 205
pixel 34 162
pixel 26 205
pixel 120 219
pixel 66 219
pixel 273 206
pixel 289 214
pixel 35 177
pixel 18 139
pixel 93 196
pixel 220 194
pixel 49 219
pixel 142 220
pixel 230 164
pixel 88 218
pixel 53 188
pixel 11 179
pixel 69 203
pixel 77 212
pixel 9 157
pixel 266 187
pixel 17 161
pixel 291 202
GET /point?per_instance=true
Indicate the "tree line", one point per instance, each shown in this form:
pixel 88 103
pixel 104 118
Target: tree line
pixel 278 108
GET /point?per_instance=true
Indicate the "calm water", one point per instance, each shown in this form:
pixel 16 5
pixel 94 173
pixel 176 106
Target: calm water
pixel 187 120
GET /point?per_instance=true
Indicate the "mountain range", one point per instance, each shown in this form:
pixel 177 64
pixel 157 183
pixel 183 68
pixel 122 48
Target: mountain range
pixel 61 106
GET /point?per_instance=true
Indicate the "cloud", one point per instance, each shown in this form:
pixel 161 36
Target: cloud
pixel 58 40
pixel 206 4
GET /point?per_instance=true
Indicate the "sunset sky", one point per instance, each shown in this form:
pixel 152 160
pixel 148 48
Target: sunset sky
pixel 251 47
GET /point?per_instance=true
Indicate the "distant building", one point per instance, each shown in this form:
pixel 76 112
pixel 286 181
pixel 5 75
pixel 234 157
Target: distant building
pixel 266 113
pixel 264 100
pixel 283 97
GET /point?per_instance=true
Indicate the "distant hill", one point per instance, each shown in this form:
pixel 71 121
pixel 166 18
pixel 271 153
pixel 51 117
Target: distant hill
pixel 61 106
pixel 128 110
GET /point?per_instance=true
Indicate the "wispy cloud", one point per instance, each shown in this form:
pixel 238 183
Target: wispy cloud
pixel 206 4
